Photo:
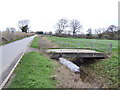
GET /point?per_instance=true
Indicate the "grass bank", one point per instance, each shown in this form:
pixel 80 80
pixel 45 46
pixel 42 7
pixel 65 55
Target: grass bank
pixel 7 36
pixel 3 43
pixel 34 71
pixel 35 42
pixel 108 68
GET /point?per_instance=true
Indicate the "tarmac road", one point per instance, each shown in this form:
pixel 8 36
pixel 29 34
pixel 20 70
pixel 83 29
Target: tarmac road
pixel 10 53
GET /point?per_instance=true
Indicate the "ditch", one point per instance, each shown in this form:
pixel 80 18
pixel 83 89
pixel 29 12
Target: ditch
pixel 87 77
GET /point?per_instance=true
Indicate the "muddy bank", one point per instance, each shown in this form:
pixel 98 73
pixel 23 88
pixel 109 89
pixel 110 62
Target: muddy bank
pixel 85 79
pixel 67 79
pixel 88 74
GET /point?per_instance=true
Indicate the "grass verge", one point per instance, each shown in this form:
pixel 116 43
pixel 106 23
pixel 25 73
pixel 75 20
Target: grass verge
pixel 33 71
pixel 13 40
pixel 35 42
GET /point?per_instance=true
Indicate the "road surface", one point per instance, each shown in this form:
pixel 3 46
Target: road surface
pixel 10 53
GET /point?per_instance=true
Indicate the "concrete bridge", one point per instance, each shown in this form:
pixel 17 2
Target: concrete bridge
pixel 77 53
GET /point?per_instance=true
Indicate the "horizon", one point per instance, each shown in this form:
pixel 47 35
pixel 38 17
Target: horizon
pixel 44 15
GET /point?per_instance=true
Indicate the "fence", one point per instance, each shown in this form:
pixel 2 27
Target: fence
pixel 77 44
pixel 73 44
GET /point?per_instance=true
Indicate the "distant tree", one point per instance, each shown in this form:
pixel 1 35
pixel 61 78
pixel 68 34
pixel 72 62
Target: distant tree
pixel 118 30
pixel 10 29
pixel 24 25
pixel 61 25
pixel 75 25
pixel 100 32
pixel 89 33
pixel 69 32
pixel 117 33
pixel 110 31
pixel 49 33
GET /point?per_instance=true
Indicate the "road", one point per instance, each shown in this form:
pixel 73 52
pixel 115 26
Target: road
pixel 10 53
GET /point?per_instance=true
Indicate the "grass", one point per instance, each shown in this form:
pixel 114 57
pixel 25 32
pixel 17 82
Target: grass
pixel 108 68
pixel 35 43
pixel 33 71
pixel 81 43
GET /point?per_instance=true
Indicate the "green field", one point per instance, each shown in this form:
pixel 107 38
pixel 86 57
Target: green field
pixel 34 71
pixel 107 68
pixel 81 43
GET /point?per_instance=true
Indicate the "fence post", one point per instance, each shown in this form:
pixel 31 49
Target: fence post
pixel 110 47
pixel 93 48
pixel 93 45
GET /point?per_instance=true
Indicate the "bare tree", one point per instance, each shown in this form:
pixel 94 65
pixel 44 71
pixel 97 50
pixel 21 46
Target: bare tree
pixel 89 33
pixel 75 25
pixel 110 30
pixel 10 29
pixel 118 32
pixel 61 25
pixel 100 32
pixel 24 25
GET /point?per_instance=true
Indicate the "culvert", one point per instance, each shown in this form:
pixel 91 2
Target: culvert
pixel 81 58
pixel 76 64
pixel 73 67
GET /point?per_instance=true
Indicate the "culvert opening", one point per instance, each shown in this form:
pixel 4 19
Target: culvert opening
pixel 85 75
pixel 85 61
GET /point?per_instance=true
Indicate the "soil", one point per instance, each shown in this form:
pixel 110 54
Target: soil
pixel 67 79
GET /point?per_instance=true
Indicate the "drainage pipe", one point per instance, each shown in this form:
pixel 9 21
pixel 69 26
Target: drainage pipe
pixel 74 68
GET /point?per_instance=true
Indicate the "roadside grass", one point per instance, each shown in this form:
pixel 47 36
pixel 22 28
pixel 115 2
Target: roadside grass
pixel 12 41
pixel 35 42
pixel 8 37
pixel 34 71
pixel 107 68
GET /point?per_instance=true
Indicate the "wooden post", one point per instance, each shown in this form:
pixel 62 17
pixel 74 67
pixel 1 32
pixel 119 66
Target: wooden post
pixel 111 47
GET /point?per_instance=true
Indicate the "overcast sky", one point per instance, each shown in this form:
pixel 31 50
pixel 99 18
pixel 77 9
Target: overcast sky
pixel 43 14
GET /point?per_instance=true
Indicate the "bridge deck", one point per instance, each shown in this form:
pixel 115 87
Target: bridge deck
pixel 69 53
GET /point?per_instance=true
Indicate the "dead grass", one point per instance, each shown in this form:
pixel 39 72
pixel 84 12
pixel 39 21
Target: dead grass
pixel 45 43
pixel 8 36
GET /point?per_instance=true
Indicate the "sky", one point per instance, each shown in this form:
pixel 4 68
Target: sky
pixel 44 14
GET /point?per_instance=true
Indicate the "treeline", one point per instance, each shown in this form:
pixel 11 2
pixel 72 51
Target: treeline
pixel 72 28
